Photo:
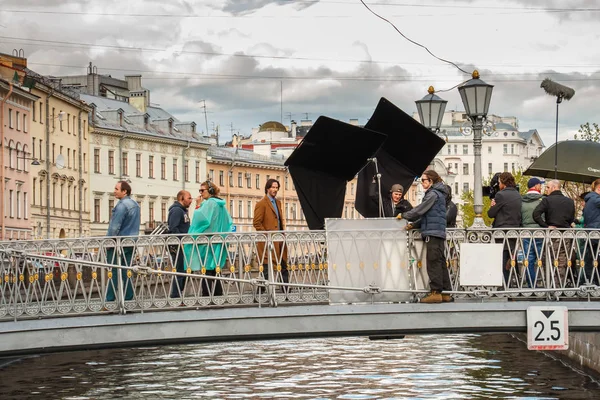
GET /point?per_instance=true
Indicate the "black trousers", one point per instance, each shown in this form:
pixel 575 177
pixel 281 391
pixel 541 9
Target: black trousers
pixel 178 281
pixel 211 286
pixel 284 271
pixel 439 277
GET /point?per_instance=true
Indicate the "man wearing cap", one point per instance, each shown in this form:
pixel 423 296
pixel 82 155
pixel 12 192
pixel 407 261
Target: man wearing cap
pixel 393 204
pixel 532 249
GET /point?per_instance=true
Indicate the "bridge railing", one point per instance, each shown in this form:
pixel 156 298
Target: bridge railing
pixel 46 278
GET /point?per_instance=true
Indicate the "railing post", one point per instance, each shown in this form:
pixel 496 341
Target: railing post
pixel 120 294
pixel 270 289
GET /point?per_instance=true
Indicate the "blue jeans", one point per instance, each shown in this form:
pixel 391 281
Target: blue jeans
pixel 531 255
pixel 126 256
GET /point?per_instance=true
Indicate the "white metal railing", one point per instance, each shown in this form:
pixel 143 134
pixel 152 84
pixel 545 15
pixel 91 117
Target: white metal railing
pixel 48 278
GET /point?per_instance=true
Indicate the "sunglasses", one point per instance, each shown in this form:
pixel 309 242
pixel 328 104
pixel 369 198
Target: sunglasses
pixel 425 180
pixel 202 190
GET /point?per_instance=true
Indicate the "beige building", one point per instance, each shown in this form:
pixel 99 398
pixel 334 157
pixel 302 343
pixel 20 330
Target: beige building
pixel 58 154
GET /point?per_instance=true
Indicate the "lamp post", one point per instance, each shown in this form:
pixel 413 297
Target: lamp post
pixel 431 110
pixel 476 96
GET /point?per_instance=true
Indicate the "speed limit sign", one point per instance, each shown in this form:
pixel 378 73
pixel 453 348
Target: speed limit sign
pixel 547 328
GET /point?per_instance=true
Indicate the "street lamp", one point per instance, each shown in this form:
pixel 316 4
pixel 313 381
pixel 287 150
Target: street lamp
pixel 476 96
pixel 431 110
pixel 34 161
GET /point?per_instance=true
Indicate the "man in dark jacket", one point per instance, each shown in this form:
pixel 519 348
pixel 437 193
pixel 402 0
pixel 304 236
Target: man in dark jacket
pixel 533 249
pixel 179 222
pixel 506 211
pixel 394 203
pixel 451 209
pixel 556 211
pixel 430 217
pixel 591 219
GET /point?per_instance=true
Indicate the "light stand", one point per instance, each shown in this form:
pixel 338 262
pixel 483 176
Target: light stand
pixel 378 177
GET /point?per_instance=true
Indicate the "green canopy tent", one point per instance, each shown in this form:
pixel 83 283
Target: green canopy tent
pixel 578 161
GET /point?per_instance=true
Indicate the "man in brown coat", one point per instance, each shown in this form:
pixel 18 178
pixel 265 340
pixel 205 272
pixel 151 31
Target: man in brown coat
pixel 268 216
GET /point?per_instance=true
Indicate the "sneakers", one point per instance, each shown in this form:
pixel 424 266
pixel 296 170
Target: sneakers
pixel 432 297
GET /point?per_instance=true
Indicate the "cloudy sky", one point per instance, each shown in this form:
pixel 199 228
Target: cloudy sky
pixel 259 60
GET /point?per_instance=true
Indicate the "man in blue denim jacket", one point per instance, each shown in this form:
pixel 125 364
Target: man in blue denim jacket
pixel 125 221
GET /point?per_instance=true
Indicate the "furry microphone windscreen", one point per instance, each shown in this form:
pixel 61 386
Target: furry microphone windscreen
pixel 556 89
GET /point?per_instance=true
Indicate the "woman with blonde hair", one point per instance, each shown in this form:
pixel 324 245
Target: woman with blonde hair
pixel 211 216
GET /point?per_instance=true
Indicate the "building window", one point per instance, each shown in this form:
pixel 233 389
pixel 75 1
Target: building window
pixel 211 175
pixel 175 177
pixel 96 210
pixel 231 207
pixel 41 107
pixel 111 206
pixel 456 167
pixel 465 187
pixel 10 118
pixel 512 148
pixel 230 177
pixel 25 206
pixel 465 149
pixel 24 123
pixel 33 111
pixel 125 163
pixel 60 120
pixel 249 209
pixel 489 149
pixel 111 162
pixel 505 167
pixel 69 158
pixel 69 123
pixel 33 187
pixel 455 149
pixel 240 205
pixel 221 178
pixel 151 167
pixel 465 169
pixel 163 168
pixel 239 179
pixel 151 211
pixel 84 162
pixel 163 211
pixel 490 169
pixel 138 165
pixel 258 181
pixel 513 168
pixel 186 170
pixel 505 148
pixel 449 149
pixel 352 189
pixel 18 204
pixel 248 180
pixel 455 188
pixel 198 172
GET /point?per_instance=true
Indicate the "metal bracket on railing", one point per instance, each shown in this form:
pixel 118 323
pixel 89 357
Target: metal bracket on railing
pixel 372 289
pixel 142 270
pixel 481 292
pixel 588 290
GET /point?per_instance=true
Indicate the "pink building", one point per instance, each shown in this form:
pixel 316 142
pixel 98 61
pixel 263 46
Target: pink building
pixel 15 183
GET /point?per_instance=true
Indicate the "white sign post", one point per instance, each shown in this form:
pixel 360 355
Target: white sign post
pixel 547 328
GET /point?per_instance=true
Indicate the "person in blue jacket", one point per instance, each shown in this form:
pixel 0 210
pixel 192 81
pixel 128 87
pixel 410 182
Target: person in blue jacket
pixel 591 220
pixel 430 217
pixel 211 217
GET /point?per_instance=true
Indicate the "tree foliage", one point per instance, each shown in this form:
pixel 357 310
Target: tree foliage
pixel 587 132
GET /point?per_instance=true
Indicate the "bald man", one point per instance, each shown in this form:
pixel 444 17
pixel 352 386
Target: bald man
pixel 179 222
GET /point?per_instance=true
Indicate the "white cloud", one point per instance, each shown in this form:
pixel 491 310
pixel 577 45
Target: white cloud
pixel 185 51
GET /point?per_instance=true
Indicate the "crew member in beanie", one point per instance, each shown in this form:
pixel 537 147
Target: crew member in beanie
pixel 394 203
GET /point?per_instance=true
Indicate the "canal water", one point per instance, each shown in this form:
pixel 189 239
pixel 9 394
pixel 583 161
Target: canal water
pixel 416 367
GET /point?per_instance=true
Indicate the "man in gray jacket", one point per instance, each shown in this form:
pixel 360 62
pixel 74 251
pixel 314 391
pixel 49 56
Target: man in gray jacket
pixel 532 248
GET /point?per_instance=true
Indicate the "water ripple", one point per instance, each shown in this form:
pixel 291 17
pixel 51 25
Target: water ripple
pixel 416 367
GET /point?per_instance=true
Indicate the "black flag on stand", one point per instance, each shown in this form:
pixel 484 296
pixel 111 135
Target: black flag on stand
pixel 406 153
pixel 331 154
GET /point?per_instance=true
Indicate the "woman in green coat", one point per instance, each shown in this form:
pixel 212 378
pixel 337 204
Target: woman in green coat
pixel 211 216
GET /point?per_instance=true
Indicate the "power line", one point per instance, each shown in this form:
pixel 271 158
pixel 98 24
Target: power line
pixel 366 78
pixel 64 44
pixel 410 40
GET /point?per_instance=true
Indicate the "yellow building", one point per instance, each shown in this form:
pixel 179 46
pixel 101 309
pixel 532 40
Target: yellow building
pixel 59 154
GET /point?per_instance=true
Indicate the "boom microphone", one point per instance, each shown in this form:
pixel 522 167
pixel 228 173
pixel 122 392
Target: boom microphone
pixel 556 89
